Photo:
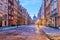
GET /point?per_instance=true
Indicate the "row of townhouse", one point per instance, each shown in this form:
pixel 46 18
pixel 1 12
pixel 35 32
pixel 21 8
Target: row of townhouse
pixel 41 15
pixel 51 12
pixel 12 13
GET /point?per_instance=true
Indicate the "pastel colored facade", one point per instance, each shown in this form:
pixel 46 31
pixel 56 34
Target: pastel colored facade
pixel 16 13
pixel 50 9
pixel 45 12
pixel 48 12
pixel 41 15
pixel 3 13
pixel 12 13
pixel 24 16
pixel 52 13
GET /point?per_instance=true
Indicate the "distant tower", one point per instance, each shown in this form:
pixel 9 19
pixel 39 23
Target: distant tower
pixel 34 19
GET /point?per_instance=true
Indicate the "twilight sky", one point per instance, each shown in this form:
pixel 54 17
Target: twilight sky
pixel 32 6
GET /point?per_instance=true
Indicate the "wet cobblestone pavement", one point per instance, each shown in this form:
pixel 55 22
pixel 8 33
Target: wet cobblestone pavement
pixel 23 33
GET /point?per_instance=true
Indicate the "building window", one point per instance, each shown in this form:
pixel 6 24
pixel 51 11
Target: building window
pixel 9 4
pixel 5 16
pixel 5 10
pixel 52 6
pixel 54 0
pixel 5 23
pixel 5 5
pixel 12 13
pixel 9 11
pixel 0 6
pixel 5 0
pixel 55 4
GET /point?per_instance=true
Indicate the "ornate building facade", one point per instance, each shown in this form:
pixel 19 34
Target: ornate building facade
pixel 12 13
pixel 51 13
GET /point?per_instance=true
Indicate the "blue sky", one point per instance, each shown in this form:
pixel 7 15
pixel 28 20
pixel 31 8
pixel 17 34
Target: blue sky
pixel 32 6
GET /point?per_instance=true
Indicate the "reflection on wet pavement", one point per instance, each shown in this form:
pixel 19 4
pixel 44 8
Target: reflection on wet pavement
pixel 22 33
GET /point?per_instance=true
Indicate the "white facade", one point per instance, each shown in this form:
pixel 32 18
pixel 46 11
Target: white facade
pixel 54 13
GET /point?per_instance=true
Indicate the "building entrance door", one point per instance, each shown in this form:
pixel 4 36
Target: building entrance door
pixel 0 21
pixel 5 23
pixel 56 22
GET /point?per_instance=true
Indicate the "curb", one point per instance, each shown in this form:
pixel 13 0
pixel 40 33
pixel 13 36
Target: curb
pixel 47 35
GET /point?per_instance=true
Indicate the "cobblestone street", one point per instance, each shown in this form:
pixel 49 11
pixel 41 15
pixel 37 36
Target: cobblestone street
pixel 29 19
pixel 22 33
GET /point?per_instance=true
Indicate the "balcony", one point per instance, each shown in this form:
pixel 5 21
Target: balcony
pixel 15 7
pixel 10 6
pixel 11 2
pixel 10 15
pixel 48 3
pixel 55 11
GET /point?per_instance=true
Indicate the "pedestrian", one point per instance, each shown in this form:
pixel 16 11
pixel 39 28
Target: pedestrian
pixel 38 25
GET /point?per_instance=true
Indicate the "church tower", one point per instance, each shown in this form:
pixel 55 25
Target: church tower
pixel 34 19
